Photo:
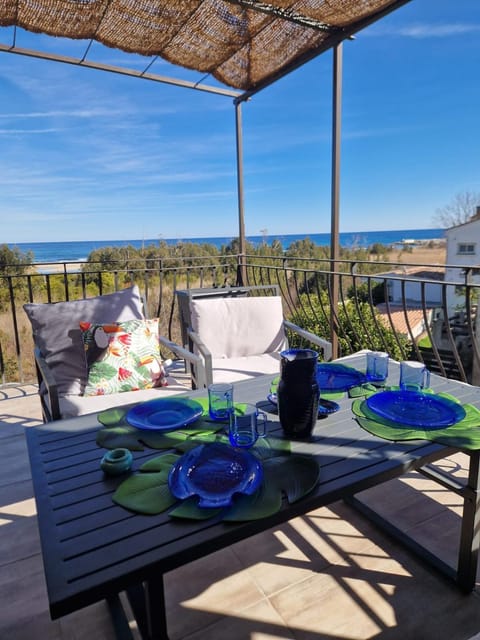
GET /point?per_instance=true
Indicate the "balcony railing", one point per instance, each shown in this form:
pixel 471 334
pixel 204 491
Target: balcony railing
pixel 411 311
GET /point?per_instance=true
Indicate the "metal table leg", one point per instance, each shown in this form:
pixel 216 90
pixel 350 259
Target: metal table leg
pixel 156 614
pixel 148 605
pixel 464 575
pixel 470 534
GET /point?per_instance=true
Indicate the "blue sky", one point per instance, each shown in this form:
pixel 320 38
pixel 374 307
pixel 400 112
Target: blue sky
pixel 87 155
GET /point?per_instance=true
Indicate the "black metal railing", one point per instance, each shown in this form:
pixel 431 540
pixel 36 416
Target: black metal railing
pixel 421 312
pixel 57 282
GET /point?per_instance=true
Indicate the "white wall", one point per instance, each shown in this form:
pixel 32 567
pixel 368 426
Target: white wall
pixel 468 233
pixel 413 292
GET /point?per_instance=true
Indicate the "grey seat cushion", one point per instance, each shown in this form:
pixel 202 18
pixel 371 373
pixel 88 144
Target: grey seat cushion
pixel 235 369
pixel 57 334
pixel 72 405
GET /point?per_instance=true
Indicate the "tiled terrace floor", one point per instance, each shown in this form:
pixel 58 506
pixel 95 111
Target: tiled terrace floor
pixel 328 575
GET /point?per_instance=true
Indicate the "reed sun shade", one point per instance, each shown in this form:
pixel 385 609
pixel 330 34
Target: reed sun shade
pixel 244 44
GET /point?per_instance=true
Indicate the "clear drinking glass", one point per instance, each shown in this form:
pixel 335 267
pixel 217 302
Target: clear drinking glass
pixel 377 366
pixel 220 401
pixel 246 426
pixel 414 376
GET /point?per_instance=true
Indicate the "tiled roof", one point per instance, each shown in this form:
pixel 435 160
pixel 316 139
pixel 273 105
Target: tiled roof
pixel 398 317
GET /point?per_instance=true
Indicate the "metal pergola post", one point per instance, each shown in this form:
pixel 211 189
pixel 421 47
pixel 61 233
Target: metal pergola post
pixel 335 194
pixel 240 194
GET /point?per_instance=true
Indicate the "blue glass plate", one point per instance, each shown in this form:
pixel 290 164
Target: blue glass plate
pixel 332 377
pixel 215 472
pixel 416 408
pixel 164 414
pixel 325 407
pixel 338 377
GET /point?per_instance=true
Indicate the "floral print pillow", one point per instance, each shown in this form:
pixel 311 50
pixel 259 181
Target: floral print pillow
pixel 122 356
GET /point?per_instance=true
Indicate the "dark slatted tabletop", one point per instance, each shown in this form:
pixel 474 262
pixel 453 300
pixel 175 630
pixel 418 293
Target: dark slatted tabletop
pixel 93 548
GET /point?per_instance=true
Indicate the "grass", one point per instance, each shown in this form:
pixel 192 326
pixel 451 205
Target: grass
pixel 425 342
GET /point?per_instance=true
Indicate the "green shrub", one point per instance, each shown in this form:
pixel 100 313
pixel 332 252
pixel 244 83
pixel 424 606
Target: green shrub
pixel 359 327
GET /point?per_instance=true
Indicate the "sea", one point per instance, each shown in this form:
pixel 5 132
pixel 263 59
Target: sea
pixel 80 250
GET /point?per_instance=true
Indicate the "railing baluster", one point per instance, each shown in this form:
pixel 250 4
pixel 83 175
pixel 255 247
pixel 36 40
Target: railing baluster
pixel 304 284
pixel 345 336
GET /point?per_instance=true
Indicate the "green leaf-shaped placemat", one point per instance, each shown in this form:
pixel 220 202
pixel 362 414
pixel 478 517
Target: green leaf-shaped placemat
pixel 147 492
pixel 202 438
pixel 332 395
pixel 270 447
pixel 296 475
pixel 189 510
pixel 464 434
pixel 160 463
pixel 364 390
pixel 124 436
pixel 118 433
pixel 239 408
pixel 114 416
pixel 293 475
pixel 264 502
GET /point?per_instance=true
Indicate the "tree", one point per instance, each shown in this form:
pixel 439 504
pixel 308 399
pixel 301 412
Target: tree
pixel 362 292
pixel 461 208
pixel 378 249
pixel 13 261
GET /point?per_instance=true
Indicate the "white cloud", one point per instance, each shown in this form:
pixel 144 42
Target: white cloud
pixel 379 132
pixel 26 132
pixel 423 30
pixel 83 113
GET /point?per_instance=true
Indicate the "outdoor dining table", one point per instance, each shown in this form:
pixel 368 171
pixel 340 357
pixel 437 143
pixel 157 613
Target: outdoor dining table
pixel 93 549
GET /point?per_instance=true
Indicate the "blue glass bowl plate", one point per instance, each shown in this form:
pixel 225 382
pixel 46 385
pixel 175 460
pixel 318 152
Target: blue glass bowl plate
pixel 325 407
pixel 416 409
pixel 215 473
pixel 338 377
pixel 332 377
pixel 164 414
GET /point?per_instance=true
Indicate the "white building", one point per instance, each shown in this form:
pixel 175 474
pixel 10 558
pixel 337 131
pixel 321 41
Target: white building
pixel 463 250
pixel 417 285
pixel 414 285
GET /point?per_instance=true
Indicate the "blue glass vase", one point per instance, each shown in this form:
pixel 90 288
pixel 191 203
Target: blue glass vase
pixel 298 392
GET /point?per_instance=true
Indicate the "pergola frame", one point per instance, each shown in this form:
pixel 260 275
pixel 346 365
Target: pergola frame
pixel 334 40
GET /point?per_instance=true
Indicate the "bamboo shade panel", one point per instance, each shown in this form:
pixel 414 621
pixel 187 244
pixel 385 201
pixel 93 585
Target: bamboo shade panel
pixel 241 43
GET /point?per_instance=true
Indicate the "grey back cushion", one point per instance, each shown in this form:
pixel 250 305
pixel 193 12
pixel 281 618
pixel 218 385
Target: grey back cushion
pixel 57 334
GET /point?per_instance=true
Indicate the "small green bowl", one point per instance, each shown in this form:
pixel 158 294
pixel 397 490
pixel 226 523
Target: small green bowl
pixel 117 461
